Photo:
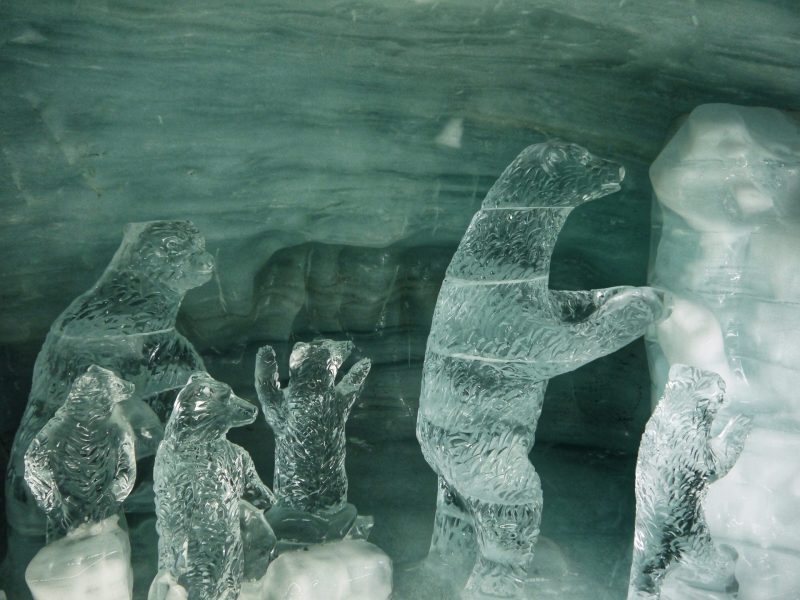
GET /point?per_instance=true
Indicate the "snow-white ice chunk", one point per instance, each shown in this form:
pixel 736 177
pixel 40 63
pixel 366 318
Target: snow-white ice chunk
pixel 346 570
pixel 91 562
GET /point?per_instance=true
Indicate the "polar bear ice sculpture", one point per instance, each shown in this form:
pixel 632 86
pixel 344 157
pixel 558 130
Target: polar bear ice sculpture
pixel 498 335
pixel 678 459
pixel 126 323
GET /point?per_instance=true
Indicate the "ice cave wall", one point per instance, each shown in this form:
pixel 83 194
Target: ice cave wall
pixel 333 153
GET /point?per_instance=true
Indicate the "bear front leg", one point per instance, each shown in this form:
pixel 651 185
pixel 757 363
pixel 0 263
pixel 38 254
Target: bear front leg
pixel 453 538
pixel 726 447
pixel 255 491
pixel 622 315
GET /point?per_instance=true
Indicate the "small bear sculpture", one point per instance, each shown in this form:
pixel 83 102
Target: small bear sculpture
pixel 678 459
pixel 498 335
pixel 199 479
pixel 81 465
pixel 308 418
pixel 126 323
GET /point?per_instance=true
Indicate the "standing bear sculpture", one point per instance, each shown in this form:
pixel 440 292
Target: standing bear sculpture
pixel 308 418
pixel 126 323
pixel 498 335
pixel 200 480
pixel 678 459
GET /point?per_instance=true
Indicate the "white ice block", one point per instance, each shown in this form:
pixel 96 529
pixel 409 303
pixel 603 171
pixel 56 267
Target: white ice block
pixel 346 570
pixel 93 561
pixel 728 192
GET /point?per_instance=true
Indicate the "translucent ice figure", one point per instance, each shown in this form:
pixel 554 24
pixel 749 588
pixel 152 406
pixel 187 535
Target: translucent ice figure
pixel 126 323
pixel 308 418
pixel 81 465
pixel 727 187
pixel 678 460
pixel 200 478
pixel 498 335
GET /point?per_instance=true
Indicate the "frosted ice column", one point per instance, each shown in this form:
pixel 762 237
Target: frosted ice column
pixel 81 465
pixel 308 418
pixel 727 187
pixel 498 334
pixel 678 459
pixel 126 323
pixel 199 480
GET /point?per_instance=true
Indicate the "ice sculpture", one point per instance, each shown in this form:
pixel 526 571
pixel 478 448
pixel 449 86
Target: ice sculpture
pixel 200 478
pixel 126 323
pixel 727 187
pixel 678 459
pixel 81 465
pixel 308 418
pixel 498 335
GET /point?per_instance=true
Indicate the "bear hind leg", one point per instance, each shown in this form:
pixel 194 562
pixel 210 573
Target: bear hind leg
pixel 453 532
pixel 506 535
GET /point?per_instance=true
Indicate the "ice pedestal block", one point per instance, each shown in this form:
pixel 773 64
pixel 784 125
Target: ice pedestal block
pixel 727 187
pixel 344 570
pixel 126 323
pixel 93 561
pixel 498 335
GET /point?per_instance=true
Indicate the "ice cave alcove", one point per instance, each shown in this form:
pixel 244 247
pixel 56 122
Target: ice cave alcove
pixel 333 153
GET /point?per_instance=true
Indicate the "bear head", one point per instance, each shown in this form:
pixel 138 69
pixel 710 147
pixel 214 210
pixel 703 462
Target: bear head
pixel 207 408
pixel 171 253
pixel 695 391
pixel 554 174
pixel 313 366
pixel 99 389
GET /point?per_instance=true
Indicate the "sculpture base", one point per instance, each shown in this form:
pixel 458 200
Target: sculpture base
pixel 91 562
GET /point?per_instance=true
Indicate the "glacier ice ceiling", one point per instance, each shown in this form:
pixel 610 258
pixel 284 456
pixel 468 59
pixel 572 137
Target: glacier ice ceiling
pixel 332 153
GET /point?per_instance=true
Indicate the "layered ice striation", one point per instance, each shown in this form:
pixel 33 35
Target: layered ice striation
pixel 126 323
pixel 498 334
pixel 678 459
pixel 308 418
pixel 727 187
pixel 81 465
pixel 200 479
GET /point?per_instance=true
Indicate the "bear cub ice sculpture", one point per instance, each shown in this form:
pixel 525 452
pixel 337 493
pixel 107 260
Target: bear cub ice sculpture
pixel 498 334
pixel 126 323
pixel 81 465
pixel 678 460
pixel 308 418
pixel 200 479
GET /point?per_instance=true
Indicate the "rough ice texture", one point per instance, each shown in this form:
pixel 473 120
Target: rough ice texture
pixel 344 570
pixel 126 323
pixel 678 460
pixel 81 465
pixel 93 561
pixel 728 208
pixel 200 478
pixel 308 419
pixel 498 334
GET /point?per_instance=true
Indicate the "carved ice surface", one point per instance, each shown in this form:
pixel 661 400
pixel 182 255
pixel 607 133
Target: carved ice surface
pixel 498 335
pixel 308 418
pixel 126 323
pixel 678 459
pixel 728 195
pixel 81 465
pixel 200 478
